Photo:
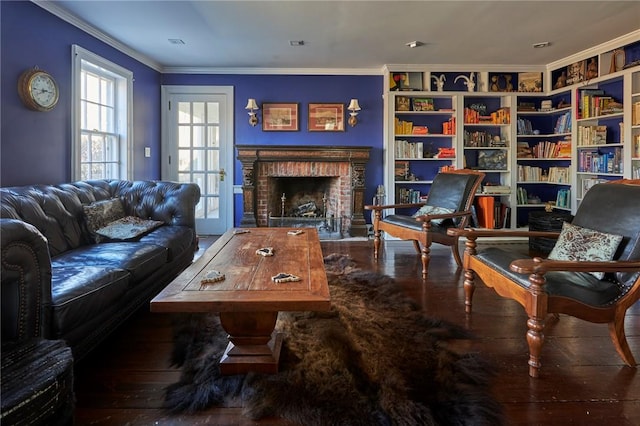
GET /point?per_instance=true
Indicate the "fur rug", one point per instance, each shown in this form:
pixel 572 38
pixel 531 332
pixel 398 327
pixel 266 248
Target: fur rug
pixel 374 359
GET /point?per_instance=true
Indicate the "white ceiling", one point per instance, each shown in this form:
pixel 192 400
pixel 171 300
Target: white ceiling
pixel 352 34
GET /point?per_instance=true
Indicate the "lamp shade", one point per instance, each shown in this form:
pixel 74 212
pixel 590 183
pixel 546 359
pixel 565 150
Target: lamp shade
pixel 251 104
pixel 353 105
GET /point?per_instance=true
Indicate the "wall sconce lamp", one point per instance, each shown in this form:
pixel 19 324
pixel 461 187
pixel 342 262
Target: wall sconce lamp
pixel 252 107
pixel 353 111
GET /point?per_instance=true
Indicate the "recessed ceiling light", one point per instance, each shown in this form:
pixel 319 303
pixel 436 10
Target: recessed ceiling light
pixel 541 45
pixel 413 44
pixel 296 42
pixel 176 41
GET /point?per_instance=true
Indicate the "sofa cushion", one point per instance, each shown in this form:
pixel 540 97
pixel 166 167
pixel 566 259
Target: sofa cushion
pixel 425 210
pixel 128 228
pixel 176 239
pixel 576 243
pixel 101 213
pixel 580 286
pixel 80 291
pixel 139 259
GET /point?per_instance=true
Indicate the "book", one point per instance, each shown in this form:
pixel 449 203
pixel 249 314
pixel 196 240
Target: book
pixel 423 104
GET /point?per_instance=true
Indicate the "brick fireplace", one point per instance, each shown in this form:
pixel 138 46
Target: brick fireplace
pixel 331 178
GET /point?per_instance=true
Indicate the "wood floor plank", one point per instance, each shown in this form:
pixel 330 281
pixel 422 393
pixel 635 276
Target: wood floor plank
pixel 583 381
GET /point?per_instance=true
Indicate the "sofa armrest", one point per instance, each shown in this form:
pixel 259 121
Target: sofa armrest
pixel 171 202
pixel 25 281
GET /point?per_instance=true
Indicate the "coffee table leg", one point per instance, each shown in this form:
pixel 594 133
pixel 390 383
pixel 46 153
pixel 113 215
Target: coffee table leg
pixel 252 345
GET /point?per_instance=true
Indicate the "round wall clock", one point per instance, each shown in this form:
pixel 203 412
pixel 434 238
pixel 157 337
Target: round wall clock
pixel 38 90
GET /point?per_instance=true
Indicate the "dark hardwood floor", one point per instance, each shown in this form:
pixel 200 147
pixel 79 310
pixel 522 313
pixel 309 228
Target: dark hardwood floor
pixel 583 381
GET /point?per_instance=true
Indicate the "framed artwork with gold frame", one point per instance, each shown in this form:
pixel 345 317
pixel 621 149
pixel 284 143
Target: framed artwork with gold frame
pixel 280 117
pixel 328 117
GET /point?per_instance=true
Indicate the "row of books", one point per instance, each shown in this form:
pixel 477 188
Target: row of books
pixel 545 149
pixel 491 213
pixel 563 199
pixel 600 162
pixel 594 102
pixel 592 135
pixel 635 114
pixel 482 139
pixel 408 195
pixel 588 183
pixel 403 127
pixel 563 123
pixel 538 174
pixel 449 126
pixel 500 116
pixel 406 149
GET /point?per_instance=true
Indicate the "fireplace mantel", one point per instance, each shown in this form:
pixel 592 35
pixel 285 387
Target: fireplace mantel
pixel 262 161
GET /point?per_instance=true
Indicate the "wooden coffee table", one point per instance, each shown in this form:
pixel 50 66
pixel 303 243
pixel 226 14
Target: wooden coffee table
pixel 248 300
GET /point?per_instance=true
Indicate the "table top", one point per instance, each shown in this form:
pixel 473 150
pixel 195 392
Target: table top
pixel 248 284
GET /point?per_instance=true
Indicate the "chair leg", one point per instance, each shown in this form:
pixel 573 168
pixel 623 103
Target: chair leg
pixel 425 257
pixel 535 339
pixel 376 243
pixel 469 288
pixel 616 331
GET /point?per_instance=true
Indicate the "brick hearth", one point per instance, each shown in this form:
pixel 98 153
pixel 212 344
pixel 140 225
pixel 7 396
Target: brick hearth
pixel 262 163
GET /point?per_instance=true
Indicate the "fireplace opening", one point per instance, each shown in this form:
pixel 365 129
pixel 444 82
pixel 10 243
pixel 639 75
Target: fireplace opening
pixel 304 202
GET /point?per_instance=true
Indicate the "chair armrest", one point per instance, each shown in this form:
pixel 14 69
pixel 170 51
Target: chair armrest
pixel 393 206
pixel 430 217
pixel 539 265
pixel 473 233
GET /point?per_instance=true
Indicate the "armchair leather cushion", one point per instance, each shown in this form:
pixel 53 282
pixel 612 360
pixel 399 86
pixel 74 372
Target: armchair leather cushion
pixel 576 243
pixel 411 223
pixel 581 286
pixel 427 209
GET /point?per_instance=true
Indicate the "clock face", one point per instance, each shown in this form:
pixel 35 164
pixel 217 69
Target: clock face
pixel 43 90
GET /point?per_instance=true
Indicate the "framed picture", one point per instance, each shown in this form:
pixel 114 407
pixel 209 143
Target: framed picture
pixel 280 117
pixel 530 82
pixel 326 117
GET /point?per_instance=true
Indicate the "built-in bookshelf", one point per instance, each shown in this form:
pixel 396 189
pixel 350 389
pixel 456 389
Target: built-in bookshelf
pixel 634 139
pixel 486 127
pixel 424 142
pixel 599 134
pixel 543 153
pixel 540 139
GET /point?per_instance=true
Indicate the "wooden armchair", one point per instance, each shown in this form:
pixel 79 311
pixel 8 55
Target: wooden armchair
pixel 452 191
pixel 546 288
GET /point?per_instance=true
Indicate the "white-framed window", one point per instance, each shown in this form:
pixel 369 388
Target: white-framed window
pixel 102 98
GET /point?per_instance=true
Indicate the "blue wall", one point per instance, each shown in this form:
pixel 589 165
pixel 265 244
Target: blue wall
pixel 35 147
pixel 303 89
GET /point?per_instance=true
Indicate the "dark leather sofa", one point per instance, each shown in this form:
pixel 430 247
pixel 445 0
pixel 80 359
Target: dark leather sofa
pixel 60 288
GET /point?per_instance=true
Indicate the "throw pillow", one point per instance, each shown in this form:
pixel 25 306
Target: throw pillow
pixel 128 228
pixel 433 210
pixel 101 213
pixel 576 243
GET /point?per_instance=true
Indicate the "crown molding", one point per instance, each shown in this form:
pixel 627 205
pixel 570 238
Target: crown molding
pixel 596 50
pixel 461 68
pixel 280 71
pixel 77 22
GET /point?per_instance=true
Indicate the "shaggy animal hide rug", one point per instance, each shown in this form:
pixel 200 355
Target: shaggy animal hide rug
pixel 374 359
